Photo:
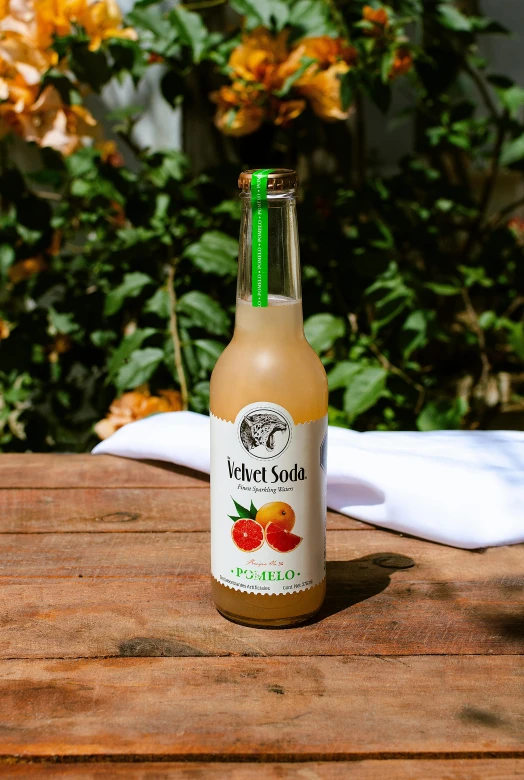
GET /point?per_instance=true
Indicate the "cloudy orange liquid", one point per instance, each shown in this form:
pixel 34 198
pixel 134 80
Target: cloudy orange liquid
pixel 269 360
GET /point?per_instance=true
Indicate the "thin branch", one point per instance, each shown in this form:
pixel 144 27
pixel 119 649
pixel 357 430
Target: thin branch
pixel 360 140
pixel 482 88
pixel 385 363
pixel 486 365
pixel 487 190
pixel 506 211
pixel 203 4
pixel 175 336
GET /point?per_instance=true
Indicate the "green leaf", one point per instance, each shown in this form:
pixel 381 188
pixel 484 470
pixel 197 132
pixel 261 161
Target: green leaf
pixel 364 390
pixel 61 322
pixel 322 330
pixel 192 30
pixel 204 312
pixel 102 338
pixel 442 289
pixel 170 165
pixel 512 99
pixel 139 369
pixel 7 258
pixel 242 511
pixel 126 347
pixel 453 19
pixel 131 287
pixel 159 304
pixel 487 320
pixel 200 398
pixel 305 62
pixel 516 339
pixel 256 11
pixel 512 151
pixel 253 511
pixel 310 17
pixel 214 253
pixel 442 415
pixel 417 324
pixel 208 352
pixel 342 374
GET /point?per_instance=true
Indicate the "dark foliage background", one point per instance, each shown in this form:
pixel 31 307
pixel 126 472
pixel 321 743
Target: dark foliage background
pixel 114 276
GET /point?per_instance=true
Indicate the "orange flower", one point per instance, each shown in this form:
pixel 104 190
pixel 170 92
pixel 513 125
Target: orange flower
pixel 402 63
pixel 60 345
pixel 5 330
pixel 109 154
pixel 117 215
pixel 258 58
pixel 323 92
pixel 287 110
pixel 325 50
pixel 25 269
pixel 100 19
pixel 56 243
pixel 516 225
pixel 379 19
pixel 237 113
pixel 136 405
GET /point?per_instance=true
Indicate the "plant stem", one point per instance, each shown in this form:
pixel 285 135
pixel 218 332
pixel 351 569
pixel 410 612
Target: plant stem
pixel 506 211
pixel 482 88
pixel 175 336
pixel 385 363
pixel 204 4
pixel 486 365
pixel 489 186
pixel 360 140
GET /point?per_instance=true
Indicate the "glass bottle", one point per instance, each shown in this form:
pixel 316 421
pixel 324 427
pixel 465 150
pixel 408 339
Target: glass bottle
pixel 268 402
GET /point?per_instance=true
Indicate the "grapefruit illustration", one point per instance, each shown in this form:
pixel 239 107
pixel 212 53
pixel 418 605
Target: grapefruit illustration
pixel 276 512
pixel 280 539
pixel 248 535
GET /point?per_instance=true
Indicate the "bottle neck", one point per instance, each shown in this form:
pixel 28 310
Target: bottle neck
pixel 283 314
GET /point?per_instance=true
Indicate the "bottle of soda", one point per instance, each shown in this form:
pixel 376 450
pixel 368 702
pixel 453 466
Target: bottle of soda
pixel 269 400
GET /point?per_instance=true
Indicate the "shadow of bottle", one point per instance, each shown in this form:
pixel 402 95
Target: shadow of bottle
pixel 350 582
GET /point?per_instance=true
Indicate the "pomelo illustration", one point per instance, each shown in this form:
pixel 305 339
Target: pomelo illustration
pixel 247 534
pixel 276 512
pixel 280 539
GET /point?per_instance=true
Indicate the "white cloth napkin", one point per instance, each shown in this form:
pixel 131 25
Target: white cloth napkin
pixel 462 488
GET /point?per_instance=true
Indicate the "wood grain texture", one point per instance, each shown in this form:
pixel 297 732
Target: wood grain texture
pixel 90 595
pixel 95 471
pixel 392 769
pixel 119 510
pixel 272 708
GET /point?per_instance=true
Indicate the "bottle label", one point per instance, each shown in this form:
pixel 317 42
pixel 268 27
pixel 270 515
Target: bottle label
pixel 268 501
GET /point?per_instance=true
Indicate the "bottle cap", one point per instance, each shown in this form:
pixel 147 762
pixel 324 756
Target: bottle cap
pixel 279 180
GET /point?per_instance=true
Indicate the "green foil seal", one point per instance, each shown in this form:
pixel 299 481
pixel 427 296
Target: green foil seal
pixel 259 237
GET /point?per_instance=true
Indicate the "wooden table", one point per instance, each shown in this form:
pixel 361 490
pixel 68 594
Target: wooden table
pixel 115 664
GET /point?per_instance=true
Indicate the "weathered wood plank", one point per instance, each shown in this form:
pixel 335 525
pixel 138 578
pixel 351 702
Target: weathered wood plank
pixel 392 769
pixel 272 708
pixel 116 509
pixel 95 471
pixel 187 554
pixel 87 595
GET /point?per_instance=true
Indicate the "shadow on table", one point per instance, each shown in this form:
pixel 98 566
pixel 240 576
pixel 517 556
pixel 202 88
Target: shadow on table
pixel 350 582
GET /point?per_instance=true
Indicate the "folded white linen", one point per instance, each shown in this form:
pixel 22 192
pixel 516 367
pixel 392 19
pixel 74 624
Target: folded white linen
pixel 461 488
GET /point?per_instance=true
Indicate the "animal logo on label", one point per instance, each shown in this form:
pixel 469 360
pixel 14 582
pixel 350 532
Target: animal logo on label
pixel 264 433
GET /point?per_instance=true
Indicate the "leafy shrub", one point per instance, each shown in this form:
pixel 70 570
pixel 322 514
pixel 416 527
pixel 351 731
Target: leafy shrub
pixel 120 278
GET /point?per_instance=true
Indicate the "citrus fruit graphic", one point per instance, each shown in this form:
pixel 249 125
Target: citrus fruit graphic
pixel 247 535
pixel 276 512
pixel 280 539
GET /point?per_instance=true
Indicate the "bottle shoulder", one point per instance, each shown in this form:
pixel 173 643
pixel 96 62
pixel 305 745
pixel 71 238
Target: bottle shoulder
pixel 288 373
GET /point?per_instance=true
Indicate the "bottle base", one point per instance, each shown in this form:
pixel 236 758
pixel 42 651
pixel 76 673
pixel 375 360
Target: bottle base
pixel 281 622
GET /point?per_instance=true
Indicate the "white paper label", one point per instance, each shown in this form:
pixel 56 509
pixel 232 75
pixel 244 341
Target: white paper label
pixel 268 501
